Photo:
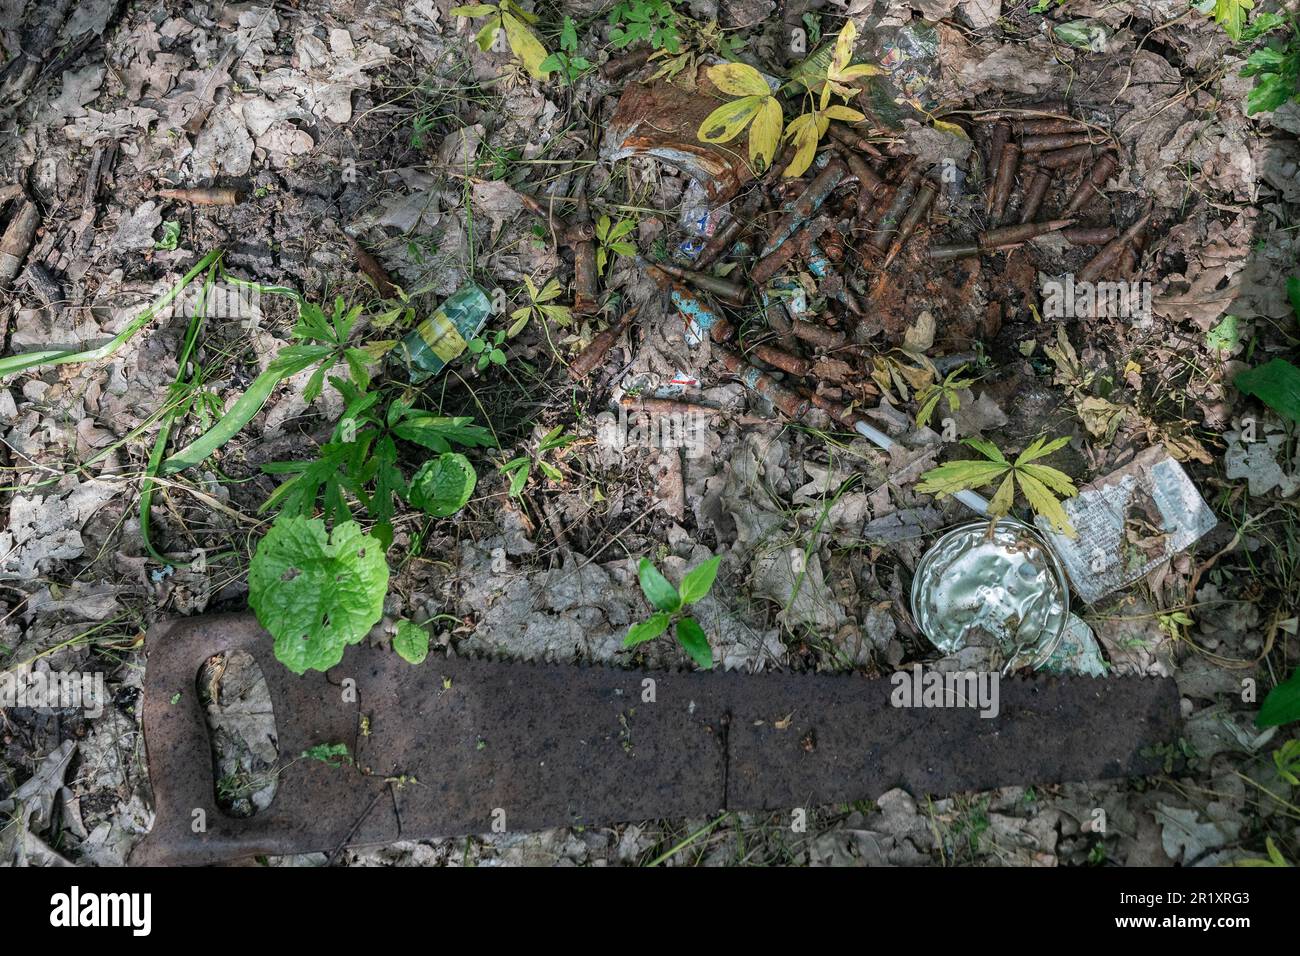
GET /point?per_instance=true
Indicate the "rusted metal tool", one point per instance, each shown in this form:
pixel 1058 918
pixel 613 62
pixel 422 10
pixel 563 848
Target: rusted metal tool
pixel 460 746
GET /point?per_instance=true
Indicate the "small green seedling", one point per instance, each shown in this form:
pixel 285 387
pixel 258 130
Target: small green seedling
pixel 520 468
pixel 540 306
pixel 515 21
pixel 610 242
pixel 565 60
pixel 488 349
pixel 949 389
pixel 672 603
pixel 335 755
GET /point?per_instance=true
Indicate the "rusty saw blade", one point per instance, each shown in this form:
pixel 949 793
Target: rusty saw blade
pixel 460 746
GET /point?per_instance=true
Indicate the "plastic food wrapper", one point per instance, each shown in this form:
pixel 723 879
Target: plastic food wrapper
pixel 1128 523
pixel 910 57
pixel 437 341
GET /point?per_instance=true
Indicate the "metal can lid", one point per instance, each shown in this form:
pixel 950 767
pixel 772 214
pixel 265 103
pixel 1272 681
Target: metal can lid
pixel 992 584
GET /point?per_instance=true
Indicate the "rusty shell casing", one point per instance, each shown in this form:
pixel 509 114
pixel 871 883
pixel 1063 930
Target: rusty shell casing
pixel 925 197
pixel 851 140
pixel 871 184
pixel 1061 158
pixel 753 378
pixel 783 360
pixel 1035 193
pixel 956 250
pixel 1014 235
pixel 1111 253
pixel 730 292
pixel 888 224
pixel 1006 179
pixel 773 263
pixel 1089 235
pixel 999 138
pixel 666 406
pixel 615 68
pixel 818 335
pixel 1093 185
pixel 822 185
pixel 599 346
pixel 1051 141
pixel 1040 127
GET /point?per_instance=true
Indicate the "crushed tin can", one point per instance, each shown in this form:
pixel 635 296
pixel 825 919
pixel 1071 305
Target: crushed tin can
pixel 443 337
pixel 995 585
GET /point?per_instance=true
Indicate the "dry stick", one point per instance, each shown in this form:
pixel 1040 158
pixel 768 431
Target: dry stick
pixel 373 268
pixel 17 241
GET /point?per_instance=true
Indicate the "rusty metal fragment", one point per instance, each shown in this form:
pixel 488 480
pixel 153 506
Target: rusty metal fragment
pixel 1089 235
pixel 733 293
pixel 782 360
pixel 662 119
pixel 756 380
pixel 1014 235
pixel 769 266
pixel 454 745
pixel 1008 165
pixel 1059 159
pixel 1092 186
pixel 822 185
pixel 1000 137
pixel 1053 141
pixel 1035 192
pixel 902 198
pixel 915 213
pixel 600 345
pixel 1111 253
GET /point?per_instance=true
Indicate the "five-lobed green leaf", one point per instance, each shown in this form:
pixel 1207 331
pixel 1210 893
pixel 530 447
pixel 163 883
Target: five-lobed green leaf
pixel 316 592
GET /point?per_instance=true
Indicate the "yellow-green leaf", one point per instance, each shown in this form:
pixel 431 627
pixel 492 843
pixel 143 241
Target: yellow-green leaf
pixel 526 46
pixel 765 134
pixel 954 476
pixel 987 449
pixel 1001 503
pixel 739 79
pixel 1040 450
pixel 838 112
pixel 473 10
pixel 488 35
pixel 1058 481
pixel 728 121
pixel 803 132
pixel 944 126
pixel 1044 503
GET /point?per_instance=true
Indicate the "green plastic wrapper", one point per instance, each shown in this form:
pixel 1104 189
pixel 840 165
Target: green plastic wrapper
pixel 440 339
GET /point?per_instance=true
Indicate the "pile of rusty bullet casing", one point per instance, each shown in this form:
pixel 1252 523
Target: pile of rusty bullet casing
pixel 1033 150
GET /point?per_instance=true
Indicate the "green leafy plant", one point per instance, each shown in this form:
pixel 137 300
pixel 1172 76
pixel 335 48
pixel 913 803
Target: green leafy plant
pixel 361 463
pixel 516 23
pixel 411 642
pixel 487 349
pixel 699 39
pixel 930 395
pixel 1276 384
pixel 565 60
pixel 759 109
pixel 336 755
pixel 1276 67
pixel 170 237
pixel 519 469
pixel 1275 857
pixel 671 604
pixel 541 305
pixel 1282 705
pixel 1287 760
pixel 654 21
pixel 1040 484
pixel 316 592
pixel 610 241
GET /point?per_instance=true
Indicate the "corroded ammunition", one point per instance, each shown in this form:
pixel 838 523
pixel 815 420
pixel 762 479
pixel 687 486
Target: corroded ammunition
pixel 733 293
pixel 700 319
pixel 1006 178
pixel 722 240
pixel 566 234
pixel 1051 141
pixel 915 213
pixel 1092 186
pixel 897 207
pixel 599 346
pixel 1015 235
pixel 782 360
pixel 771 264
pixel 1035 192
pixel 1038 127
pixel 1001 135
pixel 1111 253
pixel 1059 159
pixel 615 68
pixel 1089 235
pixel 871 184
pixel 666 406
pixel 584 265
pixel 819 335
pixel 786 401
pixel 958 250
pixel 848 138
pixel 823 185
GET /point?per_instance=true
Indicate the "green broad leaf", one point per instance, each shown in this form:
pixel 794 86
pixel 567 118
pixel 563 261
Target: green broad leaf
pixel 647 630
pixel 473 10
pixel 1276 384
pixel 569 35
pixel 1224 336
pixel 170 237
pixel 656 587
pixel 411 642
pixel 1282 705
pixel 336 755
pixel 1231 14
pixel 692 637
pixel 443 485
pixel 699 580
pixel 316 592
pixel 519 477
pixel 1270 91
pixel 438 433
